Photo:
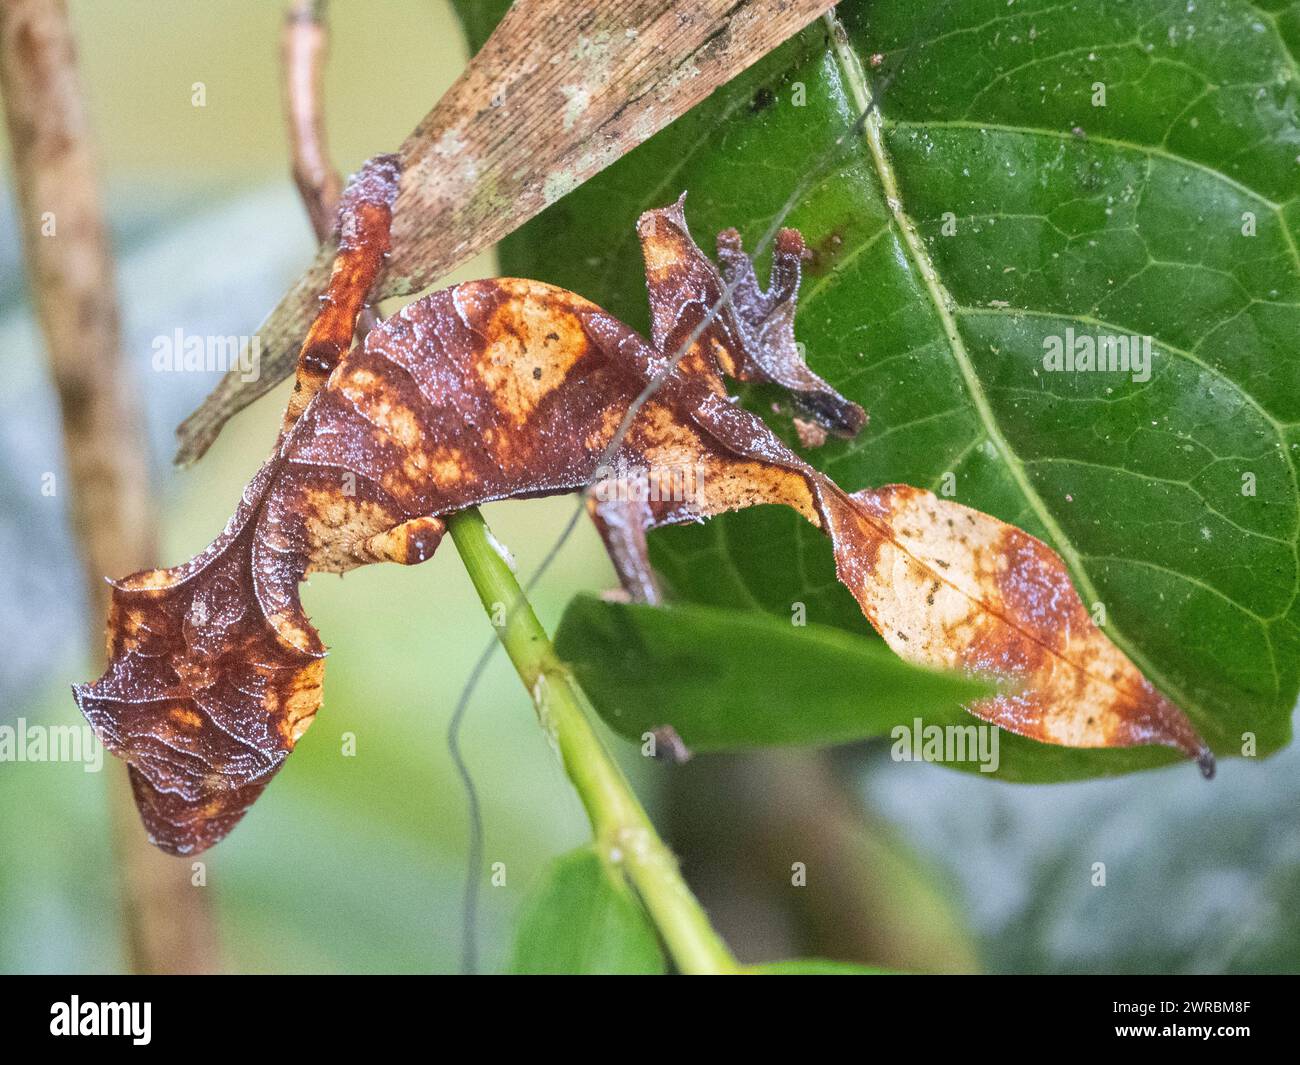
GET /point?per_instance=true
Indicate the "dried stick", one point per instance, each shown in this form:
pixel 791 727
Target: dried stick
pixel 303 46
pixel 169 926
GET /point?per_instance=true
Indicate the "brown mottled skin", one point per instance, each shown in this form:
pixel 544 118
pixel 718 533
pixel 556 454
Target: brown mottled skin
pixel 504 388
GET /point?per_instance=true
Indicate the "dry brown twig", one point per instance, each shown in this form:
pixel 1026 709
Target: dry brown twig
pixel 304 44
pixel 70 270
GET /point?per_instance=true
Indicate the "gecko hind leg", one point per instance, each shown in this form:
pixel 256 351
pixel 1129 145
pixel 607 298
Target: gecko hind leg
pixel 407 544
pixel 622 525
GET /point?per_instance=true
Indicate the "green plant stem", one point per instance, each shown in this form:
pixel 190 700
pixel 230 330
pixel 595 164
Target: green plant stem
pixel 623 831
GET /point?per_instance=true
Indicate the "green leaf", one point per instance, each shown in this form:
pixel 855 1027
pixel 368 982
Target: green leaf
pixel 815 967
pixel 583 919
pixel 988 207
pixel 727 680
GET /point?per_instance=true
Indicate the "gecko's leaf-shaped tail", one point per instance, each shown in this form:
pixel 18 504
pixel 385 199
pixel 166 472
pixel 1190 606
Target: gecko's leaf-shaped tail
pixel 214 672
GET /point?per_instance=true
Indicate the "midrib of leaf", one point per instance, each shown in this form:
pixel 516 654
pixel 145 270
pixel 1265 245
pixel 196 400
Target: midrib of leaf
pixel 855 78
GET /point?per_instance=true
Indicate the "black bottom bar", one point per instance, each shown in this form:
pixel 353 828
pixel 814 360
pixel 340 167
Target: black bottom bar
pixel 305 1012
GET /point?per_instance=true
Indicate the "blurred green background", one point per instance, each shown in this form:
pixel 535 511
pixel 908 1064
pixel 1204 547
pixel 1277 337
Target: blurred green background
pixel 356 863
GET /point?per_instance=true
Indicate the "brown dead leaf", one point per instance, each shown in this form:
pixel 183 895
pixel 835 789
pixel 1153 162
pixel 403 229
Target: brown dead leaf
pixel 508 387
